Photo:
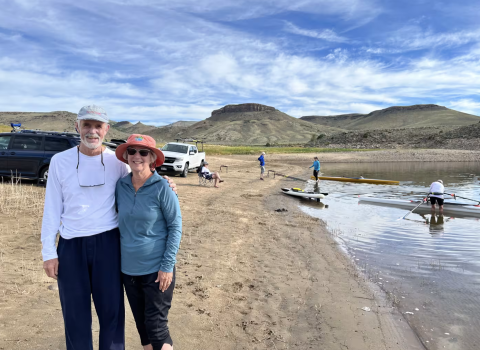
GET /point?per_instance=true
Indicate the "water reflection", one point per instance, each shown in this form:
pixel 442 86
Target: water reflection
pixel 436 224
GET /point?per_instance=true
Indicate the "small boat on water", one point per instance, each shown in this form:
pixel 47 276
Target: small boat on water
pixel 358 180
pixel 298 192
pixel 448 207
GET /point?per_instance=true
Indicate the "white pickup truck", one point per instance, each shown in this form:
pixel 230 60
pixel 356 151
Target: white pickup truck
pixel 179 158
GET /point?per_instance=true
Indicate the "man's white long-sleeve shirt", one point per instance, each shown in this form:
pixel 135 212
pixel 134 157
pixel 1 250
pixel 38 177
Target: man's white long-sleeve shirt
pixel 78 211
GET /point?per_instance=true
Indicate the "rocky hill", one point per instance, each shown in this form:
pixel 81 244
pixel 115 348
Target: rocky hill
pixel 334 120
pixel 398 117
pixel 129 128
pixel 467 137
pixel 253 124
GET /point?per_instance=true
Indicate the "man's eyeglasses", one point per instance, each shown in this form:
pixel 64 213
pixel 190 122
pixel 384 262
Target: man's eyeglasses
pixel 90 178
pixel 133 151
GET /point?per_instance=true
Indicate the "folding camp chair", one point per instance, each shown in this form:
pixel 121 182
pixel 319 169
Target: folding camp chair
pixel 205 179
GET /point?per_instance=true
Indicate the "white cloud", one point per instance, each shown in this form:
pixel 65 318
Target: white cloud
pixel 465 105
pixel 414 37
pixel 325 34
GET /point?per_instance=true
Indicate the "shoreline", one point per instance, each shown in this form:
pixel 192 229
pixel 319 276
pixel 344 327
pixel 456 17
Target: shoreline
pixel 395 155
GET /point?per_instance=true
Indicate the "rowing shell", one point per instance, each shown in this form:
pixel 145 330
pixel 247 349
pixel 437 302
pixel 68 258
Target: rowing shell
pixel 448 208
pixel 353 179
pixel 300 193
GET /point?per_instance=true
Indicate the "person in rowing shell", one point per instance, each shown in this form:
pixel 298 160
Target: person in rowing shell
pixel 436 195
pixel 316 167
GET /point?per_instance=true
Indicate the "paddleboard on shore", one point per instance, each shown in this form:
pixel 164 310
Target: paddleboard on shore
pixel 297 192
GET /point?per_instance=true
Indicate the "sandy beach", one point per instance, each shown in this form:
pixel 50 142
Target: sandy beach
pixel 248 277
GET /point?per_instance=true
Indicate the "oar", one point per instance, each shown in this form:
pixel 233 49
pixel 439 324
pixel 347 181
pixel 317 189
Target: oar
pixel 424 200
pixel 290 177
pixel 455 196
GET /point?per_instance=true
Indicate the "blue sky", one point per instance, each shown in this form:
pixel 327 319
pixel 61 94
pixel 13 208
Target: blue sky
pixel 163 61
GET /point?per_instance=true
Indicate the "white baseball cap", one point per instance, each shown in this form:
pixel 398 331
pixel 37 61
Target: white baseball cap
pixel 440 181
pixel 93 112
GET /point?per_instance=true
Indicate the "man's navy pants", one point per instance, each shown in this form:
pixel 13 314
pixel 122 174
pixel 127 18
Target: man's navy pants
pixel 90 267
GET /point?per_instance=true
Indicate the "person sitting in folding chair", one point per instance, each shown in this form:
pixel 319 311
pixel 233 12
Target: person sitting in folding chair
pixel 207 174
pixel 204 179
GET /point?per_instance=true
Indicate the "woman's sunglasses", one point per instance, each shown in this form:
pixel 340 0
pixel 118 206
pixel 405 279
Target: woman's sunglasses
pixel 133 151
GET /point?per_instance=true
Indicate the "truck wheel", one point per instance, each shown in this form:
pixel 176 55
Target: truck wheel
pixel 43 174
pixel 185 171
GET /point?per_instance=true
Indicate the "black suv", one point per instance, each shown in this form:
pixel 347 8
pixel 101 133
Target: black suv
pixel 27 153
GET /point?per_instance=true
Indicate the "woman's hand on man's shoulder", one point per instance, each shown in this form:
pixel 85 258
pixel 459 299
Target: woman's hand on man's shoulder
pixel 172 184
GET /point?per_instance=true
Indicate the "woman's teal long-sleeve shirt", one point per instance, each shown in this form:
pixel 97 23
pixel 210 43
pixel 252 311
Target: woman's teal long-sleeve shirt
pixel 150 225
pixel 316 165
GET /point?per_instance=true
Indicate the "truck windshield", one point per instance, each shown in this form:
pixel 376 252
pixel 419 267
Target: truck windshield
pixel 171 147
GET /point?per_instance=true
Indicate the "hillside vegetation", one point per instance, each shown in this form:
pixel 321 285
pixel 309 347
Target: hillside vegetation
pixel 448 137
pixel 398 117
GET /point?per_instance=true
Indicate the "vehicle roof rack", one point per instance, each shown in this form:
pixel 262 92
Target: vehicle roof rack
pixel 189 139
pixel 43 132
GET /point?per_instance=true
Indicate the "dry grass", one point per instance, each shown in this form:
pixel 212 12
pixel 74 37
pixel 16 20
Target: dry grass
pixel 5 128
pixel 21 209
pixel 17 199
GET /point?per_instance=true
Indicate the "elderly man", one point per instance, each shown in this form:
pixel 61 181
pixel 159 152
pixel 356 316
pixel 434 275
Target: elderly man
pixel 80 204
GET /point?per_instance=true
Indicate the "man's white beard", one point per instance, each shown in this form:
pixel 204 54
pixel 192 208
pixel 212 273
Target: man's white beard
pixel 90 145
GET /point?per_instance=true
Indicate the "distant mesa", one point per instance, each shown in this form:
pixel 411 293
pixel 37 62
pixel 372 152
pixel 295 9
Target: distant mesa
pixel 245 107
pixel 414 108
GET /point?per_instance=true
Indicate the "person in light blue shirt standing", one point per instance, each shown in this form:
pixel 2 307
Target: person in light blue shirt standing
pixel 150 225
pixel 262 165
pixel 316 167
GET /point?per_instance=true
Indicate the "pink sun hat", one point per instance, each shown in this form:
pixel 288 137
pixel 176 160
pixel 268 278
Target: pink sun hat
pixel 145 141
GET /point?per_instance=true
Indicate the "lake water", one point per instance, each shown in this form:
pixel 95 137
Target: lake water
pixel 428 265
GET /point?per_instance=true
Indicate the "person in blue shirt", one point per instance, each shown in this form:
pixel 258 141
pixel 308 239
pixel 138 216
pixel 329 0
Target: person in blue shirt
pixel 262 165
pixel 150 225
pixel 316 167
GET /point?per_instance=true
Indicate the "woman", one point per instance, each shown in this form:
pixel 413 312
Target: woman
pixel 150 226
pixel 316 167
pixel 210 175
